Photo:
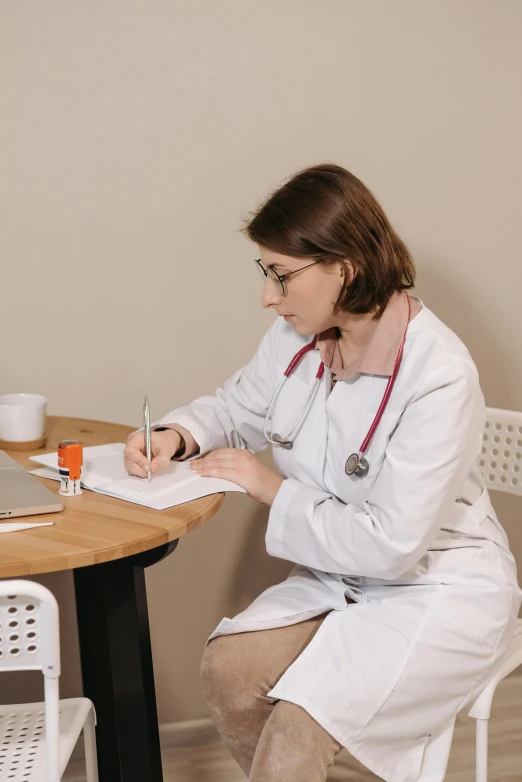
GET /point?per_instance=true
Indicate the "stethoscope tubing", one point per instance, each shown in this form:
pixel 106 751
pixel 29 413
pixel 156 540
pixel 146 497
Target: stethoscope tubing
pixel 388 390
pixel 361 464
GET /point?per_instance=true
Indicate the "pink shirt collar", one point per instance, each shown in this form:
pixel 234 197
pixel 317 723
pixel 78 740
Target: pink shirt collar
pixel 379 355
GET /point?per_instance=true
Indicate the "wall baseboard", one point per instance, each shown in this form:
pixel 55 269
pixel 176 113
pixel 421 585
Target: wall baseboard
pixel 187 733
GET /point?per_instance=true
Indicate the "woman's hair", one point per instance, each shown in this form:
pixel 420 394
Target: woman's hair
pixel 326 213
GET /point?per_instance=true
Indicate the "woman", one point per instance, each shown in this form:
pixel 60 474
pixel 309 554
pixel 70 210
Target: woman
pixel 404 592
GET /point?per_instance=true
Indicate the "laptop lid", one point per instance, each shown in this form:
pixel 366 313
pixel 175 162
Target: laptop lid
pixel 21 494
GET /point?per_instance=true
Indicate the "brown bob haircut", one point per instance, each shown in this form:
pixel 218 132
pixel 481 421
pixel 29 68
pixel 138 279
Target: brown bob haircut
pixel 327 214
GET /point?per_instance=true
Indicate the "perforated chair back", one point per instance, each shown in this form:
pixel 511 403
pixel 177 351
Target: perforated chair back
pixel 29 628
pixel 30 640
pixel 501 460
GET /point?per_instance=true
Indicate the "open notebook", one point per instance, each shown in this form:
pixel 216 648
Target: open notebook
pixel 103 471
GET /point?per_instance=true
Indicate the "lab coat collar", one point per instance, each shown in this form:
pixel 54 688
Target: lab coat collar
pixel 379 355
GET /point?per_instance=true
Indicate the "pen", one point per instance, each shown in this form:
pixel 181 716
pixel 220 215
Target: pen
pixel 146 426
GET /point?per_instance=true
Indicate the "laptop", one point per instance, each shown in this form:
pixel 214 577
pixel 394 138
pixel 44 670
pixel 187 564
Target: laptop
pixel 21 494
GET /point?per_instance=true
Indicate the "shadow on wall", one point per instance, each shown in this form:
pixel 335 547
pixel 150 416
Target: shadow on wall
pixel 252 569
pixel 456 308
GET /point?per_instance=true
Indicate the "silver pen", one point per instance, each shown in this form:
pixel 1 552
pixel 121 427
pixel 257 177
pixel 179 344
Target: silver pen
pixel 146 426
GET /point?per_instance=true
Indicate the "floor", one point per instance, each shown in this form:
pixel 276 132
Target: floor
pixel 213 763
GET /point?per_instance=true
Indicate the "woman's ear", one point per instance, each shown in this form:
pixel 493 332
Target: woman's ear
pixel 347 271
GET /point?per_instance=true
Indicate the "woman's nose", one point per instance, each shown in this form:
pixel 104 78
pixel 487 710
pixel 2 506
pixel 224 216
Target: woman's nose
pixel 270 296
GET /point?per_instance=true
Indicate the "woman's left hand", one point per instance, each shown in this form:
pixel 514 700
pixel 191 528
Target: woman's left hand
pixel 243 468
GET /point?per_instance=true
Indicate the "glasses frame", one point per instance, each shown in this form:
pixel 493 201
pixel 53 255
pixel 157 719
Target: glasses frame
pixel 281 277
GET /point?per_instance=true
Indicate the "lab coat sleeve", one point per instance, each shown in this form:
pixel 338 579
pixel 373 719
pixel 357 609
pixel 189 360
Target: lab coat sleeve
pixel 431 451
pixel 234 416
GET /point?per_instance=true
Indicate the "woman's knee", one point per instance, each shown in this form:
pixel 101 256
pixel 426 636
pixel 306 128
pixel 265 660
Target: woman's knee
pixel 226 670
pixel 253 662
pixel 213 665
pixel 237 707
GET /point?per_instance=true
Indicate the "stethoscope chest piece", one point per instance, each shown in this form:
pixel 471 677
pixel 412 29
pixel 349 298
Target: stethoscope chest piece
pixel 356 465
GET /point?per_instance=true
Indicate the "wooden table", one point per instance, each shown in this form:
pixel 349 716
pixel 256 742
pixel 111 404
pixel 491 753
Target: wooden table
pixel 108 543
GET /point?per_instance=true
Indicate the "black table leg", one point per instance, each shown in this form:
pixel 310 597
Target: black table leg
pixel 116 660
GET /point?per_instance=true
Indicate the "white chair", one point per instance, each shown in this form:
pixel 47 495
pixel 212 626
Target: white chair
pixel 37 739
pixel 501 465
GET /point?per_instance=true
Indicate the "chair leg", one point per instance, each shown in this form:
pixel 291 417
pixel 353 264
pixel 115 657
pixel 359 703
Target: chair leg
pixel 482 751
pixel 52 728
pixel 89 739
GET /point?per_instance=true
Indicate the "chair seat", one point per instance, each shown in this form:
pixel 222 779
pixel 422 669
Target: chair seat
pixel 22 738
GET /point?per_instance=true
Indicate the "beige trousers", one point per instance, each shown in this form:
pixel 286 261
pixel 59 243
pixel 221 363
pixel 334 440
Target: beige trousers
pixel 272 740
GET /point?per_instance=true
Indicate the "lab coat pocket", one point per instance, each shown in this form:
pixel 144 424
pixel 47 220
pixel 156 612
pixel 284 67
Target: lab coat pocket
pixel 482 604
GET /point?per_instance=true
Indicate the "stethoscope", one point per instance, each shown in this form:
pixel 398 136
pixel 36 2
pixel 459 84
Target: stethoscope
pixel 356 464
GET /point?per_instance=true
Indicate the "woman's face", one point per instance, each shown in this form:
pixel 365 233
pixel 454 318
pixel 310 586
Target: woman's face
pixel 310 295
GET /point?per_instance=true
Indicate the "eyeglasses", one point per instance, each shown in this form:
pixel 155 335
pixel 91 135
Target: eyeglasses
pixel 279 279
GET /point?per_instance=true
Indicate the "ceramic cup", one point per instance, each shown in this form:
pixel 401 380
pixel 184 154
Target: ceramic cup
pixel 22 417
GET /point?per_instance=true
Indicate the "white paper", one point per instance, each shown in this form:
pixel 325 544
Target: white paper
pixel 103 471
pixel 16 527
pixel 101 464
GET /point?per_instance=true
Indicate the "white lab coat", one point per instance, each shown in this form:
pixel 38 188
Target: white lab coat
pixel 416 543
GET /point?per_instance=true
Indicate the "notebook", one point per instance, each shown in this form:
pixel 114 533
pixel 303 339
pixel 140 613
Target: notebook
pixel 103 472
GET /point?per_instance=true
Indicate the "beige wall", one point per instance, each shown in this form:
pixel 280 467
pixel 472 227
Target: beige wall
pixel 134 136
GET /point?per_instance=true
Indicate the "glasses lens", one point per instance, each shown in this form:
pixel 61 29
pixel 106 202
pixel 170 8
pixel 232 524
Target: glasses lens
pixel 277 281
pixel 272 275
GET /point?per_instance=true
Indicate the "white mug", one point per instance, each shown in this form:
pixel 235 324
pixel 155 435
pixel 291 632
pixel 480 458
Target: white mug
pixel 22 417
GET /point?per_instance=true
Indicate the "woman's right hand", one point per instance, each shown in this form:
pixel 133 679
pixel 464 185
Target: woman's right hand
pixel 163 447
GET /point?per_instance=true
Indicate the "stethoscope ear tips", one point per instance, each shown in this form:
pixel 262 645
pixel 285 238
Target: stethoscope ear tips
pixel 283 443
